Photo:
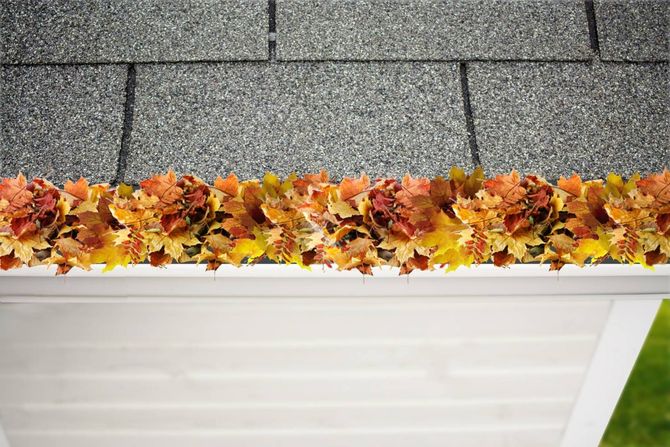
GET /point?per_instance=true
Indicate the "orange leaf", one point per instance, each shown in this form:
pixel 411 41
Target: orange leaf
pixel 572 185
pixel 15 191
pixel 657 185
pixel 228 186
pixel 351 187
pixel 79 190
pixel 508 187
pixel 164 187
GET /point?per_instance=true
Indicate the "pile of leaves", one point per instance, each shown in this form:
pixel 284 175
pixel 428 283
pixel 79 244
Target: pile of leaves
pixel 358 223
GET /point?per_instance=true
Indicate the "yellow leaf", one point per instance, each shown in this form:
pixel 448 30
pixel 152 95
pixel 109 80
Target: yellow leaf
pixel 590 248
pixel 342 209
pixel 271 184
pixel 247 248
pixel 125 191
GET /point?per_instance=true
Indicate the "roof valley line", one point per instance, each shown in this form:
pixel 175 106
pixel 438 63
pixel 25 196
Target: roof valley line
pixel 382 88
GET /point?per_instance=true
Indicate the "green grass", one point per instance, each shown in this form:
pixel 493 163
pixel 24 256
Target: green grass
pixel 642 416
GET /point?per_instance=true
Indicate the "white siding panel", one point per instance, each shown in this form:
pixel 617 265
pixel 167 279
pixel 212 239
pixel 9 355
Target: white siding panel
pixel 272 319
pixel 294 372
pixel 525 436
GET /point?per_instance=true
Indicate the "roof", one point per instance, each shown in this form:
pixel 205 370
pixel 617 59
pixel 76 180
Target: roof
pixel 116 91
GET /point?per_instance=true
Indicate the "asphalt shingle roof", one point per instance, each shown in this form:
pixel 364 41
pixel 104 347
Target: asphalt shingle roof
pixel 431 29
pixel 382 118
pixel 633 30
pixel 556 118
pixel 62 121
pixel 119 90
pixel 81 31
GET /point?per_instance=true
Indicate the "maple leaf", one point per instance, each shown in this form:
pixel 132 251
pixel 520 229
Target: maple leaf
pixel 229 186
pixel 473 182
pixel 351 188
pixel 16 193
pixel 562 243
pixel 246 248
pixel 502 258
pixel 414 224
pixel 164 187
pixel 509 187
pixel 125 191
pixel 8 262
pixel 572 185
pixel 342 209
pixel 657 186
pixel 77 190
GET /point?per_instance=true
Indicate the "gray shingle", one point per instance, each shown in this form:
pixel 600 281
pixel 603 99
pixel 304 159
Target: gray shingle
pixel 77 31
pixel 432 29
pixel 554 119
pixel 633 30
pixel 62 121
pixel 383 118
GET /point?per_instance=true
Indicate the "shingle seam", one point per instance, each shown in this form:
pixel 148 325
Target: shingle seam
pixel 593 27
pixel 128 113
pixel 467 111
pixel 272 30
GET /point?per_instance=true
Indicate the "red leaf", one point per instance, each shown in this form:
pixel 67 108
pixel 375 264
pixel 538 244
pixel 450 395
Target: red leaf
pixel 23 225
pixel 515 222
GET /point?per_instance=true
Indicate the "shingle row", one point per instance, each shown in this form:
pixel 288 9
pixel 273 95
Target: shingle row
pixel 386 118
pixel 83 31
pixel 91 31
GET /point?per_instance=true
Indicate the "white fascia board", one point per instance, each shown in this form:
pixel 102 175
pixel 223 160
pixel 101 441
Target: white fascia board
pixel 189 280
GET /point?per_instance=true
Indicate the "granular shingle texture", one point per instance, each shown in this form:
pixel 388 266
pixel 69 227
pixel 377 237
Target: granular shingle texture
pixel 79 31
pixel 431 29
pixel 553 119
pixel 634 30
pixel 382 118
pixel 62 121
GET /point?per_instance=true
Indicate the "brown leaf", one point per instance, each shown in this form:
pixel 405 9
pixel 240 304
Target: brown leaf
pixel 655 257
pixel 9 262
pixel 159 258
pixel 502 258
